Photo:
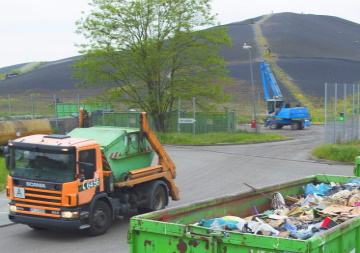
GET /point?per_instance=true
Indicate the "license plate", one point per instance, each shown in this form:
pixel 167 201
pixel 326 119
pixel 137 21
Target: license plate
pixel 37 210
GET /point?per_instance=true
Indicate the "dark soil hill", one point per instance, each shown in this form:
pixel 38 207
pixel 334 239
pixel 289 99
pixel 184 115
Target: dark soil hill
pixel 311 49
pixel 51 77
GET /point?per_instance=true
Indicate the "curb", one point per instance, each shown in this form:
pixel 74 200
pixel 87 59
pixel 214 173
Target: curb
pixel 226 144
pixel 329 161
pixel 7 225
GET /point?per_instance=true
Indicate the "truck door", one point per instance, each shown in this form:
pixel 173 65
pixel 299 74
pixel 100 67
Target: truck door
pixel 89 179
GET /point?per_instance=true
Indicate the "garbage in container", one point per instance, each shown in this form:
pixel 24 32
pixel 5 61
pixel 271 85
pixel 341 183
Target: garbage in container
pixel 320 208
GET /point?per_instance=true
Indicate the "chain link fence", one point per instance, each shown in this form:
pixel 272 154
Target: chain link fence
pixel 60 110
pixel 342 104
pixel 63 111
pixel 180 122
pixel 36 105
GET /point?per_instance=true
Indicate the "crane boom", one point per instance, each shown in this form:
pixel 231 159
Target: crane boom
pixel 269 80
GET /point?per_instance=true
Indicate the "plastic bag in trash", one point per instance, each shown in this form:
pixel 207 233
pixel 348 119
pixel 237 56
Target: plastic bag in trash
pixel 221 222
pixel 319 189
pixel 248 226
pixel 232 218
pixel 267 230
pixel 305 233
pixel 216 225
pixel 253 225
pixel 354 181
pixel 289 227
pixel 241 224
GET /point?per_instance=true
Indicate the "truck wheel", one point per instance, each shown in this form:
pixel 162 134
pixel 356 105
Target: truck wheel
pixel 295 125
pixel 100 219
pixel 157 199
pixel 273 125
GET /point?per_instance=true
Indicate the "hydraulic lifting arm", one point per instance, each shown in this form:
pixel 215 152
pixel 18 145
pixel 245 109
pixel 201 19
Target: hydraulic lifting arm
pixel 269 80
pixel 164 159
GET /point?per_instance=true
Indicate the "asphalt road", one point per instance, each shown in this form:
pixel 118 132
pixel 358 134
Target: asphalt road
pixel 203 172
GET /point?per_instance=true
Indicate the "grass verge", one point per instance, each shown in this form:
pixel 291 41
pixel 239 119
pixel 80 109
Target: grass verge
pixel 218 138
pixel 341 153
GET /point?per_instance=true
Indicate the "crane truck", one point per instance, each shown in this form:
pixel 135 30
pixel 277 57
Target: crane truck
pixel 84 179
pixel 278 111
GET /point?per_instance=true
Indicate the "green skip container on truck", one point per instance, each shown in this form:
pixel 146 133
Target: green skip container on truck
pixel 177 229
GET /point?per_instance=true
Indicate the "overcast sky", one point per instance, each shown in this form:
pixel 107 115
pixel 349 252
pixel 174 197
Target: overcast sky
pixel 43 30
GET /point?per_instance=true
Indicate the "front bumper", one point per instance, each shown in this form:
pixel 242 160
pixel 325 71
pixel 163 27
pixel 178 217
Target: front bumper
pixel 70 224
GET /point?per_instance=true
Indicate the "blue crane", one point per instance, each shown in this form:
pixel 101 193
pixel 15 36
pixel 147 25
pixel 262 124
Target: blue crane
pixel 278 112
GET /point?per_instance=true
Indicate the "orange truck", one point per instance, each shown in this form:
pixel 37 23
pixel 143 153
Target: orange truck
pixel 84 179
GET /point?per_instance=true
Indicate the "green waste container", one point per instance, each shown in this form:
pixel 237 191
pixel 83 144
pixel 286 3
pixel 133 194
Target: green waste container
pixel 173 230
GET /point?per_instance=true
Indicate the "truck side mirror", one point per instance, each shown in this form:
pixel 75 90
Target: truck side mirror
pixel 7 157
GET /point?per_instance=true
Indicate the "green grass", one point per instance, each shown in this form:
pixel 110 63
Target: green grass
pixel 218 138
pixel 3 174
pixel 333 152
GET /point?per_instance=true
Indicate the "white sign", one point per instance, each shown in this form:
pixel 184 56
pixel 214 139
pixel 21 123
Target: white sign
pixel 186 120
pixel 19 192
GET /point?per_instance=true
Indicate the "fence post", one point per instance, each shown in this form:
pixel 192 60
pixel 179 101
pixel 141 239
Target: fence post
pixel 345 117
pixel 103 118
pixel 335 113
pixel 56 115
pixel 352 112
pixel 32 105
pixel 325 112
pixel 178 119
pixel 357 111
pixel 205 124
pixel 194 124
pixel 9 103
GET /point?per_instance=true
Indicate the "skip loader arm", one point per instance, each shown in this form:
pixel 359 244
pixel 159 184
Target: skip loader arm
pixel 83 118
pixel 164 159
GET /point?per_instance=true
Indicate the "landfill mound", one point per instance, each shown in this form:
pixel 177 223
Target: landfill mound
pixel 311 49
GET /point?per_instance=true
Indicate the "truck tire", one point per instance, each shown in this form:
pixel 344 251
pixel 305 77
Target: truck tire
pixel 274 125
pixel 296 125
pixel 157 198
pixel 100 219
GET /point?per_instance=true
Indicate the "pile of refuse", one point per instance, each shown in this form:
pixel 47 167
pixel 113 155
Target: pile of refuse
pixel 302 216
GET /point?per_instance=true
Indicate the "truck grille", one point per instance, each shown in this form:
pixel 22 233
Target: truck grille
pixel 39 202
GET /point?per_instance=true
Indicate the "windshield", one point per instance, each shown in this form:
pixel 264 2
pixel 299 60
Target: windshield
pixel 274 106
pixel 55 167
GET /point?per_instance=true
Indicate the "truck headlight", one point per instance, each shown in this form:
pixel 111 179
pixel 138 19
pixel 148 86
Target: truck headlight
pixel 12 208
pixel 69 214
